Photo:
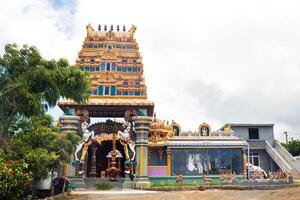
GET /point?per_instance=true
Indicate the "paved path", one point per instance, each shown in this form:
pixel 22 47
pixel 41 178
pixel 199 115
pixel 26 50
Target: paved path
pixel 279 194
pixel 111 192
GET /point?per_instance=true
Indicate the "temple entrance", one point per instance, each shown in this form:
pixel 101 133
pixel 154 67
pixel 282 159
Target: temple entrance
pixel 103 158
pixel 102 161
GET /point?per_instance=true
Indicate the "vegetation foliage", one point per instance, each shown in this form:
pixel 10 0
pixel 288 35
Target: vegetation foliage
pixel 30 145
pixel 293 147
pixel 29 85
pixel 103 185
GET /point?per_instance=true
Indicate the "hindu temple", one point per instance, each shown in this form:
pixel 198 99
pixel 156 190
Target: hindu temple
pixel 132 141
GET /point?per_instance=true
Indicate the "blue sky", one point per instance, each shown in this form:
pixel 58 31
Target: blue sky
pixel 205 61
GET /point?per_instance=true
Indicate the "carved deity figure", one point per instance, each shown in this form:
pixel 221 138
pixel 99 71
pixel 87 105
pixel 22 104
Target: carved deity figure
pixel 86 139
pixel 129 126
pixel 204 131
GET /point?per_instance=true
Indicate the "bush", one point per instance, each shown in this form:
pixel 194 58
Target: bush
pixel 13 178
pixel 103 185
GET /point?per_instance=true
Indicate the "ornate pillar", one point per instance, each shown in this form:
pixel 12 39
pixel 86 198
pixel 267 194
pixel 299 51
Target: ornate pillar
pixel 142 131
pixel 92 172
pixel 169 161
pixel 69 123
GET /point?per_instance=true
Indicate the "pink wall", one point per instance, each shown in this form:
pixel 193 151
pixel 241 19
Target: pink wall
pixel 157 171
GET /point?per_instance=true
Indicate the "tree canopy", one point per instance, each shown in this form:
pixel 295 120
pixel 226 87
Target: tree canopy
pixel 41 145
pixel 30 84
pixel 293 147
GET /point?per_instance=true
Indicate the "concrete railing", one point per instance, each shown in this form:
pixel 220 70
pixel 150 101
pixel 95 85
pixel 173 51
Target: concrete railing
pixel 282 151
pixel 280 161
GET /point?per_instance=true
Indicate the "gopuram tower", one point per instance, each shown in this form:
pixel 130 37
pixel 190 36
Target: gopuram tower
pixel 117 87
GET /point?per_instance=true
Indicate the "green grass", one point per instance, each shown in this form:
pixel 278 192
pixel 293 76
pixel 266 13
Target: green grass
pixel 103 185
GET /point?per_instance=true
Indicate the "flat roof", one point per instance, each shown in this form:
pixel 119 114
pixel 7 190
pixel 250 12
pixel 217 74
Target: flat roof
pixel 246 125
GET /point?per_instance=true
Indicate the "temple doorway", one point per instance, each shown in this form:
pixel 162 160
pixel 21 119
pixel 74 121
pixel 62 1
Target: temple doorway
pixel 102 161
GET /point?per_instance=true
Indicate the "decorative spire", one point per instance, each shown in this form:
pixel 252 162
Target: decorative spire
pixel 124 28
pixel 118 28
pixel 111 27
pixel 99 27
pixel 105 27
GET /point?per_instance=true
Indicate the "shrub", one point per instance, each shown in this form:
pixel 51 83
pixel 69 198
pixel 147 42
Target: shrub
pixel 103 185
pixel 13 178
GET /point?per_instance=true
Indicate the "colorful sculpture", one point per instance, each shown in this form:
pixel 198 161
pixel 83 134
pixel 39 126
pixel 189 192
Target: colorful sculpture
pixel 85 141
pixel 125 135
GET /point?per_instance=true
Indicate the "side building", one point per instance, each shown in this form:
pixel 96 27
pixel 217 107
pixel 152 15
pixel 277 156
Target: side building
pixel 265 150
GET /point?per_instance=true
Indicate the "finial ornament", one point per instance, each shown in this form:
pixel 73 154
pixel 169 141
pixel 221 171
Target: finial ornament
pixel 118 28
pixel 99 27
pixel 111 27
pixel 124 28
pixel 105 27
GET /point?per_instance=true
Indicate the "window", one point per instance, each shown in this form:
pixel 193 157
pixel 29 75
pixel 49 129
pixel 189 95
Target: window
pixel 92 60
pixel 129 69
pixel 119 69
pixel 125 83
pixel 95 46
pixel 102 66
pixel 137 93
pixel 89 46
pixel 94 92
pixel 137 84
pixel 124 60
pixel 113 90
pixel 125 92
pixel 97 68
pixel 100 45
pixel 123 69
pixel 254 158
pixel 118 46
pixel 106 90
pixel 100 90
pixel 107 66
pixel 92 69
pixel 86 68
pixel 119 92
pixel 82 68
pixel 123 47
pixel 82 60
pixel 253 133
pixel 134 61
pixel 113 66
pixel 158 157
pixel 109 47
pixel 206 161
pixel 131 93
pixel 134 69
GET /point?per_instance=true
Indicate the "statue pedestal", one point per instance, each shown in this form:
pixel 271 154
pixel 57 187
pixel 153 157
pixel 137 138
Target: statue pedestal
pixel 142 183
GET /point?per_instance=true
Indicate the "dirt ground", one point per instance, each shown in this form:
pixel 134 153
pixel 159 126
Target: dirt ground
pixel 279 194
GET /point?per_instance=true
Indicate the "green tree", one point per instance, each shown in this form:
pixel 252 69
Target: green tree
pixel 293 147
pixel 29 85
pixel 40 145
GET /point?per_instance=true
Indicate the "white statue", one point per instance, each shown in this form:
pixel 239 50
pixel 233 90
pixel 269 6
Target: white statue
pixel 87 137
pixel 126 136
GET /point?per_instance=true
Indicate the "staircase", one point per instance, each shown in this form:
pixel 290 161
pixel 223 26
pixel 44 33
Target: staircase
pixel 90 183
pixel 283 158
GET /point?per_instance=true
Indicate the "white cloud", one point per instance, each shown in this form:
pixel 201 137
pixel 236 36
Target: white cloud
pixel 215 61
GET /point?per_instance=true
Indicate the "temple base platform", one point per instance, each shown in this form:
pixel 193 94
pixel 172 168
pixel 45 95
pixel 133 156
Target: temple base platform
pixel 142 183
